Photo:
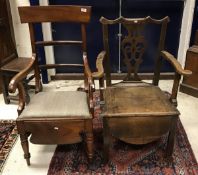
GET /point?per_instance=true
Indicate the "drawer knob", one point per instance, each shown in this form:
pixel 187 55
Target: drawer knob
pixel 56 128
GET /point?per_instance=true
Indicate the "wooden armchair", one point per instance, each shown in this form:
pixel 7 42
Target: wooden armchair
pixel 58 117
pixel 135 111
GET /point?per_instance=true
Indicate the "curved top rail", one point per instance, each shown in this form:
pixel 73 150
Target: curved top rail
pixel 123 20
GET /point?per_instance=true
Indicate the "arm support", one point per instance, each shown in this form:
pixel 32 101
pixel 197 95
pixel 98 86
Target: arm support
pixel 21 75
pixel 179 71
pixel 89 84
pixel 178 68
pixel 99 65
pixel 16 82
pixel 100 72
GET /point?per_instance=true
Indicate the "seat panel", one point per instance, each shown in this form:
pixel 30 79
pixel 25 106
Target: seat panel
pixel 16 65
pixel 137 101
pixel 57 104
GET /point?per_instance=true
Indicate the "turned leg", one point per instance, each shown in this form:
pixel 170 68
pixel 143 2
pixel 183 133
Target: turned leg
pixel 106 140
pixel 171 138
pixel 90 150
pixel 25 146
pixel 89 140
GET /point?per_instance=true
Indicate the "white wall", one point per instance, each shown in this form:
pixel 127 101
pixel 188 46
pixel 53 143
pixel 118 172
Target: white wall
pixel 21 31
pixel 186 30
pixel 47 35
pixel 22 36
pixel 23 39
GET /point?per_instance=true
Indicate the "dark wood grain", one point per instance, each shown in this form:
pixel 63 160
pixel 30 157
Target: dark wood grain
pixel 54 43
pixel 35 14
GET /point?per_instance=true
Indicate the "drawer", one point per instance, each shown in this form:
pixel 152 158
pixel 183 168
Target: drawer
pixel 50 132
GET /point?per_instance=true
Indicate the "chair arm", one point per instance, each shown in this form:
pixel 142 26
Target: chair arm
pixel 89 83
pixel 178 72
pixel 99 65
pixel 16 82
pixel 88 73
pixel 21 75
pixel 178 68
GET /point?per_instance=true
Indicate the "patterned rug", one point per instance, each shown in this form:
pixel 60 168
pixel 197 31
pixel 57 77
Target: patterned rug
pixel 8 136
pixel 125 158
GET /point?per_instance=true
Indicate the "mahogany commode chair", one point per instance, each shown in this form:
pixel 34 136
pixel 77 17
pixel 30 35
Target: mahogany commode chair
pixel 134 111
pixel 56 117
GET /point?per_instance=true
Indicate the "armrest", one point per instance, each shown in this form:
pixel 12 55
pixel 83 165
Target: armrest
pixel 179 71
pixel 178 68
pixel 21 75
pixel 99 65
pixel 88 73
pixel 16 82
pixel 89 83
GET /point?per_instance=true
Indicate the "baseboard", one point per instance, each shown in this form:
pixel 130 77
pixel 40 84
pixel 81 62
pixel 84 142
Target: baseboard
pixel 189 90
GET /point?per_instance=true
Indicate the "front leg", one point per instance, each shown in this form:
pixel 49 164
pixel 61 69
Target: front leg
pixel 171 138
pixel 89 139
pixel 25 146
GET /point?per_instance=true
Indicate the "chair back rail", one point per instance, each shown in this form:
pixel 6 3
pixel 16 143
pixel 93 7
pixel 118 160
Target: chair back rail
pixel 38 14
pixel 133 45
pixel 66 14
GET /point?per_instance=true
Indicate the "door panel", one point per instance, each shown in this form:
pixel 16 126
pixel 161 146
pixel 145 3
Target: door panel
pixel 157 9
pixel 109 9
pixel 40 50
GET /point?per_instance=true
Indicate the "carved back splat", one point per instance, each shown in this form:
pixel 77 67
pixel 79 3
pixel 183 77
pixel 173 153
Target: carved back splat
pixel 133 45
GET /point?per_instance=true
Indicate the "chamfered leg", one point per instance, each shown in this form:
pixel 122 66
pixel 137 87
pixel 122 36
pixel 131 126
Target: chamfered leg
pixel 171 138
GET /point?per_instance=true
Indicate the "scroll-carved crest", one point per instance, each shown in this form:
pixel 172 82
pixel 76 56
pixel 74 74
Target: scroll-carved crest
pixel 133 47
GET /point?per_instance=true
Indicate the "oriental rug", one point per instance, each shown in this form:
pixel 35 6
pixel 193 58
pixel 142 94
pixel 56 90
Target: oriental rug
pixel 125 158
pixel 8 136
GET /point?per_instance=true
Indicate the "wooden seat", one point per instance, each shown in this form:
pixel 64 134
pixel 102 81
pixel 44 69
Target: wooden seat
pixel 138 101
pixel 135 111
pixel 10 62
pixel 56 117
pixel 16 65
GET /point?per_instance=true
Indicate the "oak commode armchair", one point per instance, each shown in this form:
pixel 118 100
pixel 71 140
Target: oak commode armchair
pixel 135 111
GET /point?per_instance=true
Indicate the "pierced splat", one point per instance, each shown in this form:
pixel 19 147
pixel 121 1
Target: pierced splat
pixel 133 47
